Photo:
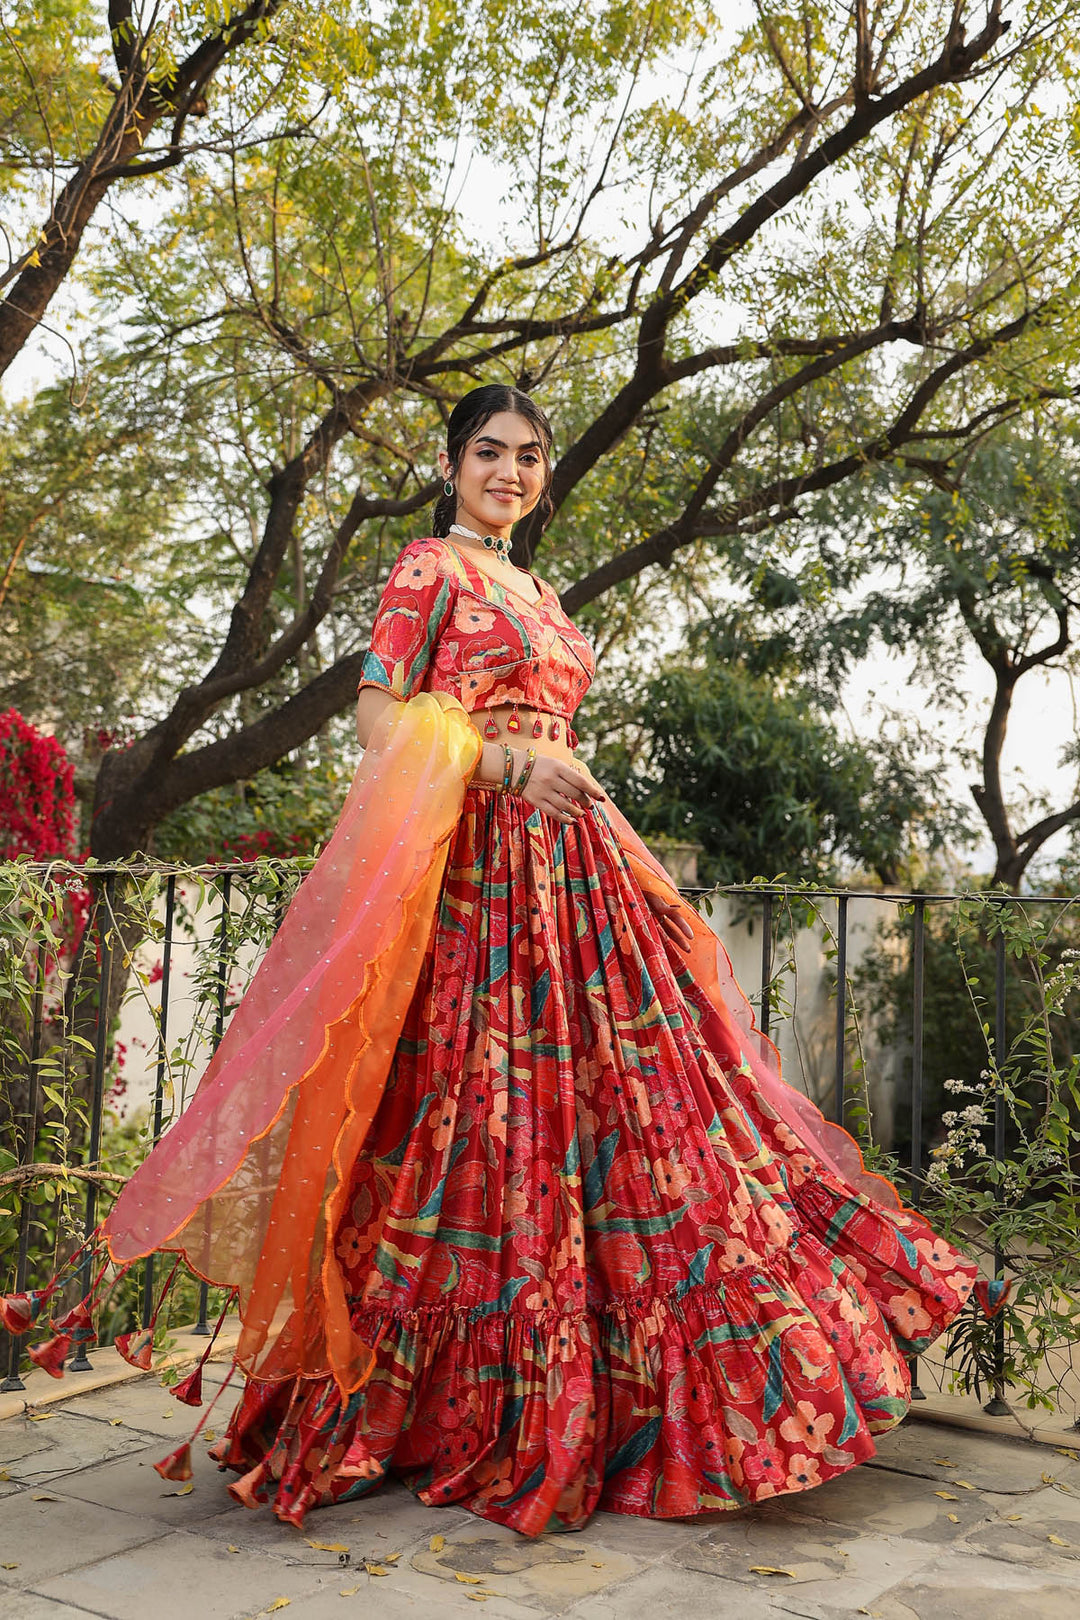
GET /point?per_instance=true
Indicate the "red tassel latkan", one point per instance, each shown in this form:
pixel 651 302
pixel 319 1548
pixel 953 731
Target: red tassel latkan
pixel 514 723
pixel 538 727
pixel 189 1390
pixel 136 1348
pixel 177 1465
pixel 491 726
pixel 51 1355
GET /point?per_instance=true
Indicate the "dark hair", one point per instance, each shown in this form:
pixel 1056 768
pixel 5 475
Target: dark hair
pixel 468 416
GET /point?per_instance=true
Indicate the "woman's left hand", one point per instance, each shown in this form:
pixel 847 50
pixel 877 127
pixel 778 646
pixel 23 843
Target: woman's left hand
pixel 669 914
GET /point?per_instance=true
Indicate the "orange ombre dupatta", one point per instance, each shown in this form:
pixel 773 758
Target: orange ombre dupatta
pixel 249 1182
pixel 729 1030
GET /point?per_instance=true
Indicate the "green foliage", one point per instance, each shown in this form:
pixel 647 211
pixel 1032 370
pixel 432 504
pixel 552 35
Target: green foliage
pixel 747 763
pixel 1025 1201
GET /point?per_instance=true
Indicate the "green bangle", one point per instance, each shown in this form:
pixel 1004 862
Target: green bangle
pixel 508 767
pixel 526 771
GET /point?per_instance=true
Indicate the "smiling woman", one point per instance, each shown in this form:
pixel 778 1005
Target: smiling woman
pixel 516 1202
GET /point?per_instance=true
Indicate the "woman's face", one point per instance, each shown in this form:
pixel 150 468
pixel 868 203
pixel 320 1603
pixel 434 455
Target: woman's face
pixel 500 476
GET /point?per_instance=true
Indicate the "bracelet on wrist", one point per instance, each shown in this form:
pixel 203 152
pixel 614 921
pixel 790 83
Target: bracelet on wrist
pixel 526 771
pixel 508 767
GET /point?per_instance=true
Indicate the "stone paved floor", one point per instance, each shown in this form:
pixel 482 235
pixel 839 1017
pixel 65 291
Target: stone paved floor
pixel 944 1525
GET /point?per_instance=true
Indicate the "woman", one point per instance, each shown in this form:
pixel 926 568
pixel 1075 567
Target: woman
pixel 515 1200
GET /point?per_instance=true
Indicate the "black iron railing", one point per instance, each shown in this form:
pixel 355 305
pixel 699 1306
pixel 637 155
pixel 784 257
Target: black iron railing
pixel 23 1263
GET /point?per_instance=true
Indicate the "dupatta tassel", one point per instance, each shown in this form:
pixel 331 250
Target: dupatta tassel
pixel 189 1390
pixel 78 1323
pixel 19 1312
pixel 177 1465
pixel 136 1347
pixel 992 1293
pixel 51 1355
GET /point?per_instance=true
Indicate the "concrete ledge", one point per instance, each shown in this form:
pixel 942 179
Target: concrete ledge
pixel 110 1368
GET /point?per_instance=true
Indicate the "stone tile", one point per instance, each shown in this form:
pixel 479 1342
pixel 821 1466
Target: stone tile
pixel 548 1573
pixel 666 1593
pixel 146 1406
pixel 648 1540
pixel 37 1452
pixel 390 1520
pixel 979 1589
pixel 48 1538
pixel 406 1595
pixel 1003 1466
pixel 130 1485
pixel 182 1574
pixel 891 1504
pixel 32 1606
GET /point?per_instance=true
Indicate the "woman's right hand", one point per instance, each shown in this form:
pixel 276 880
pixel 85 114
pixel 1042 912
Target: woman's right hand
pixel 560 790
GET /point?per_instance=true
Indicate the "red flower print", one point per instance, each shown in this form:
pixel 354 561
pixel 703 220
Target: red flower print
pixel 808 1427
pixel 906 1311
pixel 803 1472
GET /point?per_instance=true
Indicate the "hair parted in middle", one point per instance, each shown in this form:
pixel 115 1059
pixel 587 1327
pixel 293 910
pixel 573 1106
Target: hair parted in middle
pixel 468 416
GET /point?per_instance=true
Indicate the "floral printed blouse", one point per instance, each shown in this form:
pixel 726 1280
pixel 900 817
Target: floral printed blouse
pixel 443 625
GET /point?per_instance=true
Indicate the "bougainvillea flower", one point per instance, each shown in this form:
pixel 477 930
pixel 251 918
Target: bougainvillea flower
pixel 177 1465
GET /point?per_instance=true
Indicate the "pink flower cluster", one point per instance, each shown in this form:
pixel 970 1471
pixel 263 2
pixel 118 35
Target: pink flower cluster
pixel 37 797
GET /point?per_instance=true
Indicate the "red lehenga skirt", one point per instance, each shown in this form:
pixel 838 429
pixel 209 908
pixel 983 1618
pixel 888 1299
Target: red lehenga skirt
pixel 514 1200
pixel 596 1271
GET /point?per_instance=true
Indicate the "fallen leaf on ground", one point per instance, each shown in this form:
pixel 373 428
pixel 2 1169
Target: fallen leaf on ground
pixel 43 1496
pixel 278 1603
pixel 1012 1517
pixel 209 1434
pixel 944 1462
pixel 326 1546
pixel 965 1484
pixel 468 1580
pixel 114 1423
pixel 9 1566
pixel 947 1496
pixel 185 1490
pixel 40 1417
pixel 231 1548
pixel 1064 1451
pixel 477 1597
pixel 1049 1479
pixel 436 1544
pixel 953 1518
pixel 4 1474
pixel 390 1558
pixel 767 1569
pixel 1057 1541
pixel 376 1569
pixel 598 1566
pixel 348 1591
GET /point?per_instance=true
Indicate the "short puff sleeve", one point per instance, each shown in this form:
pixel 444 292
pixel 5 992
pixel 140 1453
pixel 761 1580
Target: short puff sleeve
pixel 413 609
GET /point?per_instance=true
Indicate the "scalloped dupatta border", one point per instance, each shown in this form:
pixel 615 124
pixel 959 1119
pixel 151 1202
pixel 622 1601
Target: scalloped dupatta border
pixel 248 1183
pixel 729 1029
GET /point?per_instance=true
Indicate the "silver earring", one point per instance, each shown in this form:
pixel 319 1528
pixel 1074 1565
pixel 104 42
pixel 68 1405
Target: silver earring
pixel 448 488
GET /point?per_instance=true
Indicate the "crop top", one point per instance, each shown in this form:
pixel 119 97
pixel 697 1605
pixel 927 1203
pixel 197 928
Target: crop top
pixel 444 625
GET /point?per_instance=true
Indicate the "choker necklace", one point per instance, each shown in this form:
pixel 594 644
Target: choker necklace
pixel 497 543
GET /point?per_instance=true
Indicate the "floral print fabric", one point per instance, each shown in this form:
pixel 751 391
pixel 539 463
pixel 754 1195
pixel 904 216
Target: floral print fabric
pixel 593 1268
pixel 443 625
